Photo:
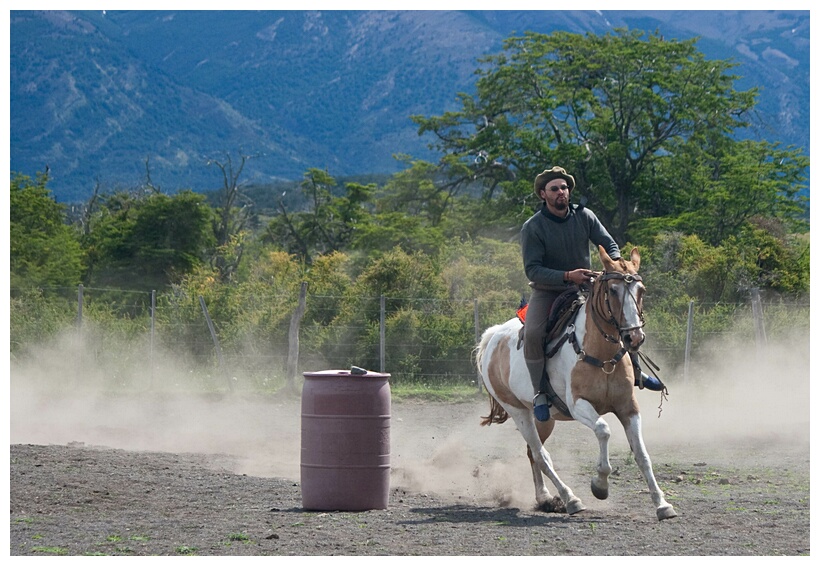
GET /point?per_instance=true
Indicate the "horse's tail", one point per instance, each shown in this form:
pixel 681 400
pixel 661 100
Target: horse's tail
pixel 497 413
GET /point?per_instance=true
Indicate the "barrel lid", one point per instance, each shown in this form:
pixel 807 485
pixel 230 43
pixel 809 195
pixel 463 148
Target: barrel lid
pixel 352 372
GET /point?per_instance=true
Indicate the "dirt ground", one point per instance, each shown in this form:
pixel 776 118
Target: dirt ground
pixel 162 474
pixel 170 473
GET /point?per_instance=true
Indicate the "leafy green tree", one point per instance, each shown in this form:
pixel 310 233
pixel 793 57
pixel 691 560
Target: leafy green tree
pixel 418 191
pixel 148 242
pixel 388 230
pixel 408 279
pixel 718 192
pixel 608 108
pixel 329 224
pixel 43 250
pixel 679 268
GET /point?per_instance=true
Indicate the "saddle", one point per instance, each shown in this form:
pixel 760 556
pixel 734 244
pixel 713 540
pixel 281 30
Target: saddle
pixel 562 311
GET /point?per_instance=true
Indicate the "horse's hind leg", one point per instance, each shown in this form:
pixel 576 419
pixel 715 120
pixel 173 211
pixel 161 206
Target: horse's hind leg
pixel 542 463
pixel 546 502
pixel 632 427
pixel 585 413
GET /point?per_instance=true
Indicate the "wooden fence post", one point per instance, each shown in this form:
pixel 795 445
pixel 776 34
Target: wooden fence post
pixel 293 338
pixel 382 333
pixel 153 320
pixel 760 329
pixel 80 306
pixel 688 351
pixel 216 341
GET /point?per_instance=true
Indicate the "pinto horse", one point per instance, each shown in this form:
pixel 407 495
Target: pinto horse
pixel 608 325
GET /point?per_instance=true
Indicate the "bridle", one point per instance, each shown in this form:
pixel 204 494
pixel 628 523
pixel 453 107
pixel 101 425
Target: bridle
pixel 602 313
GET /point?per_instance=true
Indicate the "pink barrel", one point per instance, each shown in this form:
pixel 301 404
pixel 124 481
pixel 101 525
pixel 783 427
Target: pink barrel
pixel 345 441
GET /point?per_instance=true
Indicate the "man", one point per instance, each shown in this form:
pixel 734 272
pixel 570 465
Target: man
pixel 555 249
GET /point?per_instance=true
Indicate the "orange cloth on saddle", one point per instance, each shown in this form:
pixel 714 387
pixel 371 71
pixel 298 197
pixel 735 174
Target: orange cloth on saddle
pixel 522 313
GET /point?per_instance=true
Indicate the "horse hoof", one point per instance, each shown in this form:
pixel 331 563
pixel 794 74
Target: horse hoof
pixel 575 506
pixel 666 512
pixel 599 492
pixel 553 505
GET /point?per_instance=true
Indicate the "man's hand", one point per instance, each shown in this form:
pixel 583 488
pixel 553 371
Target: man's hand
pixel 579 276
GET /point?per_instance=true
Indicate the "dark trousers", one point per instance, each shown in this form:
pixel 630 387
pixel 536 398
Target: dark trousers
pixel 535 333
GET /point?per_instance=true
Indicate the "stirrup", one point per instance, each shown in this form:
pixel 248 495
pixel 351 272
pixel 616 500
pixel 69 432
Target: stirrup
pixel 649 382
pixel 541 407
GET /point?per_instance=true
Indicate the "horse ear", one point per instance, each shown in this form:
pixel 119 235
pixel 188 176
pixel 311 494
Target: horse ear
pixel 605 259
pixel 635 258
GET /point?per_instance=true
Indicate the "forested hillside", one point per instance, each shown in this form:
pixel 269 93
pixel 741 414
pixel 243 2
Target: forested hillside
pixel 108 98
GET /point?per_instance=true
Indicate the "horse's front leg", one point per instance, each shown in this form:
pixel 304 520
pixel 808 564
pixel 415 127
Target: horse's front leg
pixel 632 427
pixel 585 413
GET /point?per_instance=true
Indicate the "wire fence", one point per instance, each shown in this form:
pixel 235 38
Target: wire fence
pixel 147 340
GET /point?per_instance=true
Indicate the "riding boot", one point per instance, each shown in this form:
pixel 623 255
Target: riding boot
pixel 540 405
pixel 642 380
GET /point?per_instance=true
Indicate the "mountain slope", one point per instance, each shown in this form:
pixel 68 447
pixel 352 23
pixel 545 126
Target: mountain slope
pixel 97 96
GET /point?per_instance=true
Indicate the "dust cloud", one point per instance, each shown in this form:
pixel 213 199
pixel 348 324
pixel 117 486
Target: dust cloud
pixel 742 404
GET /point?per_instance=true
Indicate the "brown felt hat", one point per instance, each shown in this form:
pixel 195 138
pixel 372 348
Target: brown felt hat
pixel 548 175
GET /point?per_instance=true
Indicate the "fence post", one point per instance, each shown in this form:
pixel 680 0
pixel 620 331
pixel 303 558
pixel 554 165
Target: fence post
pixel 153 319
pixel 688 352
pixel 382 333
pixel 293 338
pixel 477 338
pixel 760 329
pixel 216 341
pixel 80 305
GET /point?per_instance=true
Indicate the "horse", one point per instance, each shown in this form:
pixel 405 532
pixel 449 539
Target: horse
pixel 608 325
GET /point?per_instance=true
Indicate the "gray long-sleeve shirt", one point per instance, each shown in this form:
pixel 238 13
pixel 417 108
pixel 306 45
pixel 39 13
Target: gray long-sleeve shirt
pixel 551 245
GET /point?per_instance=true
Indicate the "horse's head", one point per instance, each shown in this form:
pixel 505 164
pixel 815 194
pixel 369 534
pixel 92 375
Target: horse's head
pixel 621 303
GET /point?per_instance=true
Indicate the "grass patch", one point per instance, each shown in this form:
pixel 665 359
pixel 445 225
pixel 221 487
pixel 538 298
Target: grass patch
pixel 442 392
pixel 239 537
pixel 50 550
pixel 124 549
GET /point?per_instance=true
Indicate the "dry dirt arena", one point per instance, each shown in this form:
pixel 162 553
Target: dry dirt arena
pixel 170 474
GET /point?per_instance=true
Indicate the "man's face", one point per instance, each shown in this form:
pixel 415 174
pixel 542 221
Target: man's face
pixel 556 194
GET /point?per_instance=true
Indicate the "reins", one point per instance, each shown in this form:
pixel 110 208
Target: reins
pixel 598 318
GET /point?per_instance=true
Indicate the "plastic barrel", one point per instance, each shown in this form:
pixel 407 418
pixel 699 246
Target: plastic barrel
pixel 345 464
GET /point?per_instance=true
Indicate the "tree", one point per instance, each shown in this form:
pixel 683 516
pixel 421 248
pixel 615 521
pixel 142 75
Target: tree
pixel 148 241
pixel 43 250
pixel 422 190
pixel 231 220
pixel 607 108
pixel 330 223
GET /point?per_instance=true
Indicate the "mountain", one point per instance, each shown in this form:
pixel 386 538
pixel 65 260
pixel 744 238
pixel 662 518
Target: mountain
pixel 108 97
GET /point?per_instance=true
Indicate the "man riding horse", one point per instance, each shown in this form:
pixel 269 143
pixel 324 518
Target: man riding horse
pixel 555 248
